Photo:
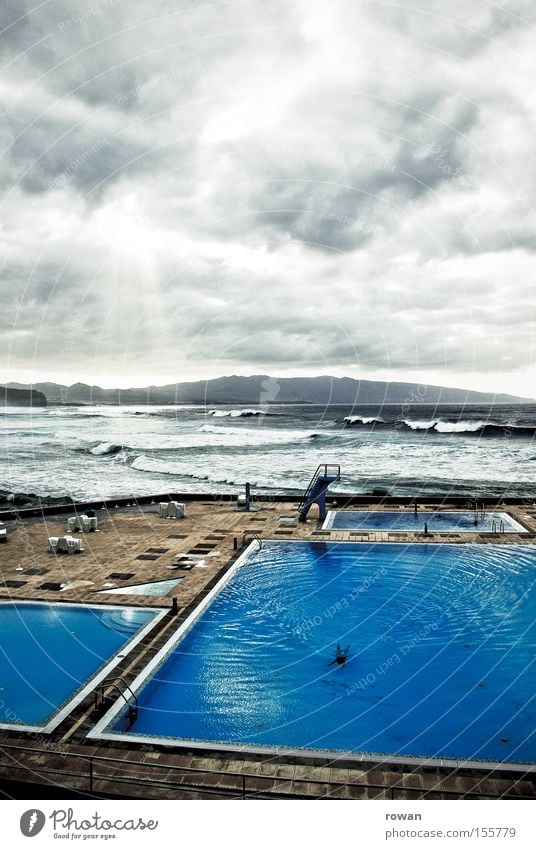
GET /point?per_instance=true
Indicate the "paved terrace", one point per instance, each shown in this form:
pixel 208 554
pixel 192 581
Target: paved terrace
pixel 134 545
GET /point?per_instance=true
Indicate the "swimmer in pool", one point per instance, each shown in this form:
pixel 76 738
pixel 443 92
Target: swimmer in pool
pixel 341 655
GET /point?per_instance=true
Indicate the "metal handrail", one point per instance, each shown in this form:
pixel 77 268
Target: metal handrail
pixel 254 535
pixel 243 790
pixel 112 682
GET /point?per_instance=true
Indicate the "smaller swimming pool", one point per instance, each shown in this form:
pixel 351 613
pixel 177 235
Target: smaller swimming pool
pixel 53 655
pixel 437 521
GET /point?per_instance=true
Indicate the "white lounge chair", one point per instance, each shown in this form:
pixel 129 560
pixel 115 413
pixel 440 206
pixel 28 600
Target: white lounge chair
pixel 67 544
pixel 3 532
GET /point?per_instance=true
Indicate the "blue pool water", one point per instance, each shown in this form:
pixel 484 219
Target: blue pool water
pixel 441 643
pixel 437 521
pixel 49 652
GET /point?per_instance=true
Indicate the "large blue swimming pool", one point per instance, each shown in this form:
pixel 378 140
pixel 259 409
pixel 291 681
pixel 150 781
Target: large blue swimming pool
pixel 436 521
pixel 49 653
pixel 441 641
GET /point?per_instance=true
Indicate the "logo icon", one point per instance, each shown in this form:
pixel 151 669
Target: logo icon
pixel 32 822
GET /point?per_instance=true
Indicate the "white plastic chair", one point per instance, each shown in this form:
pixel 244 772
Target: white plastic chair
pixel 53 544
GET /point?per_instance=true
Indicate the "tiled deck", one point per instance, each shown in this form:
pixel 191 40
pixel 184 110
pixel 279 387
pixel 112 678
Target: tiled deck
pixel 112 557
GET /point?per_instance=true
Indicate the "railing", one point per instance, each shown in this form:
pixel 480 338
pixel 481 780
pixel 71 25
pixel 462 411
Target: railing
pixel 240 785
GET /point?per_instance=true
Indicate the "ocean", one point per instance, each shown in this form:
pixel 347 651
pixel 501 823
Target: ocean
pixel 103 452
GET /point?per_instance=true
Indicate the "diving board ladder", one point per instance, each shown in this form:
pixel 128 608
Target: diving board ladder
pixel 325 475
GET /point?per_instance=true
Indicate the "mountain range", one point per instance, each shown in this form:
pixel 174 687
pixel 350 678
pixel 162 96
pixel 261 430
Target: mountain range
pixel 264 390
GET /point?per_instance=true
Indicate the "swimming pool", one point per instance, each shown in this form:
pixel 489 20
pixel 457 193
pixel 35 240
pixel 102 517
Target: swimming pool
pixel 51 655
pixel 437 521
pixel 440 664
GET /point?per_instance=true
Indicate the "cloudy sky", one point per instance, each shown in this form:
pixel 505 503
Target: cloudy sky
pixel 190 189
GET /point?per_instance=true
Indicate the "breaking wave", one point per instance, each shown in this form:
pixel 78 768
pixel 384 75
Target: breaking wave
pixel 235 414
pixel 480 427
pixel 106 448
pixel 468 426
pixel 365 420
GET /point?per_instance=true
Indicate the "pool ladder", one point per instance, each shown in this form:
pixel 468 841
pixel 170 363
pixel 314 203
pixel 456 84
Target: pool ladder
pixel 103 701
pixel 254 535
pixel 497 528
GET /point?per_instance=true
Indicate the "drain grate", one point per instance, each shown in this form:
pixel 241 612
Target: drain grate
pixel 121 576
pixel 157 550
pixel 13 585
pixel 50 585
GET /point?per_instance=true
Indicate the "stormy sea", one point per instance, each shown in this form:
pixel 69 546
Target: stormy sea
pixel 91 452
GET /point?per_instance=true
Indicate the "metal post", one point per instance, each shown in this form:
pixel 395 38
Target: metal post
pixel 248 496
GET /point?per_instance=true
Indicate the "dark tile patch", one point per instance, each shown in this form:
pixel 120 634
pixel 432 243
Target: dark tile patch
pixel 50 585
pixel 121 576
pixel 13 584
pixel 222 530
pixel 157 550
pixel 284 533
pixel 147 557
pixel 177 536
pixel 199 550
pixel 36 571
pixel 213 536
pixel 258 519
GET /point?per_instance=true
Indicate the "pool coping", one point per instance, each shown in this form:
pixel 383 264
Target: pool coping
pixel 98 732
pixel 115 590
pixel 59 716
pixel 330 518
